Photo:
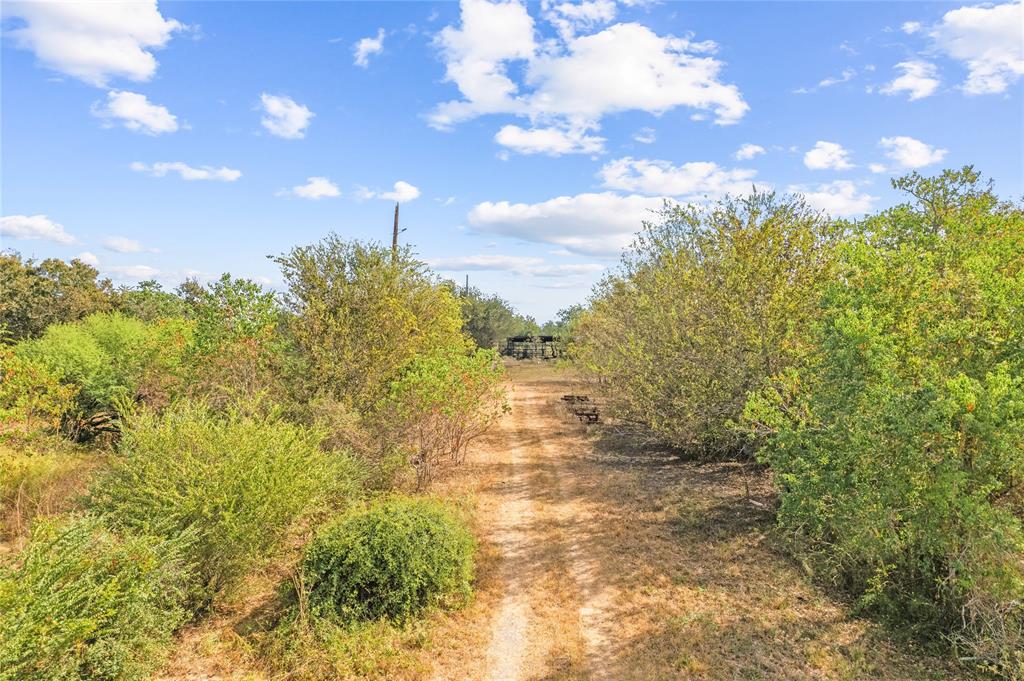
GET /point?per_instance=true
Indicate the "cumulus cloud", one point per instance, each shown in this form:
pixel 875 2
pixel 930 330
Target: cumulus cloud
pixel 315 188
pixel 34 227
pixel 367 47
pixel 88 258
pixel 589 224
pixel 120 244
pixel 187 172
pixel 748 151
pixel 910 27
pixel 402 192
pixel 695 179
pixel 134 272
pixel 571 17
pixel 907 152
pixel 550 141
pixel 987 39
pixel 136 113
pixel 920 79
pixel 839 199
pixel 93 41
pixel 573 82
pixel 827 155
pixel 284 117
pixel 524 265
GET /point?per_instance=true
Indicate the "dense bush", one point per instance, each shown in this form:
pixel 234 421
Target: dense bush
pixel 488 320
pixel 361 313
pixel 109 358
pixel 441 403
pixel 38 481
pixel 32 396
pixel 237 482
pixel 391 560
pixel 83 603
pixel 709 303
pixel 38 294
pixel 898 446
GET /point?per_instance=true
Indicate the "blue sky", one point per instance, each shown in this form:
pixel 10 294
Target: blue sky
pixel 527 141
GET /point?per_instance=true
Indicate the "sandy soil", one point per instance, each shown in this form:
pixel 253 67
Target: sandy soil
pixel 602 559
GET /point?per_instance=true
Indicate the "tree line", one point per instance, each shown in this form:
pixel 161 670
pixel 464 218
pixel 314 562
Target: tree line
pixel 875 368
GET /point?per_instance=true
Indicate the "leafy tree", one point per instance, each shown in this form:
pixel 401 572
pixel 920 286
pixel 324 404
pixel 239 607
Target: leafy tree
pixel 490 319
pixel 149 302
pixel 898 445
pixel 709 303
pixel 361 313
pixel 36 295
pixel 564 322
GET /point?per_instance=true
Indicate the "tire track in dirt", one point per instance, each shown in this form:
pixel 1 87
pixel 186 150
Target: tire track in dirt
pixel 507 652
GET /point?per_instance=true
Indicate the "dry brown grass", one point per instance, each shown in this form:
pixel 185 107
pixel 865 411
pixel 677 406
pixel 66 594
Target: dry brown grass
pixel 635 564
pixel 40 478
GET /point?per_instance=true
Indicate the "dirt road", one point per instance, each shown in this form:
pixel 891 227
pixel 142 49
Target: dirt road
pixel 613 561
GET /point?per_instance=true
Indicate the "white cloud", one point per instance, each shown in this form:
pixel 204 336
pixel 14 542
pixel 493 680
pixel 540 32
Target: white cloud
pixel 911 27
pixel 403 192
pixel 577 80
pixel 366 47
pixel 133 271
pixel 907 152
pixel 524 265
pixel 988 40
pixel 846 75
pixel 591 224
pixel 88 258
pixel 34 227
pixel 569 18
pixel 136 113
pixel 315 188
pixel 877 167
pixel 827 155
pixel 839 199
pixel 551 141
pixel 284 117
pixel 445 201
pixel 93 41
pixel 187 172
pixel 748 151
pixel 120 244
pixel 645 136
pixel 919 79
pixel 664 179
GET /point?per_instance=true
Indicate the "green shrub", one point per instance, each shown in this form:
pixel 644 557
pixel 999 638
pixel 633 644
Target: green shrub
pixel 40 483
pixel 709 303
pixel 110 357
pixel 441 403
pixel 32 397
pixel 899 446
pixel 391 560
pixel 237 482
pixel 84 603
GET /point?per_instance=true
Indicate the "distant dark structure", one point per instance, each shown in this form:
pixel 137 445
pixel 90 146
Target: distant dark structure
pixel 533 347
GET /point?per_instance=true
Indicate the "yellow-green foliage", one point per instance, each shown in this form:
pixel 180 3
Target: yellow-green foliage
pixel 899 445
pixel 32 396
pixel 441 403
pixel 83 603
pixel 362 313
pixel 41 481
pixel 391 560
pixel 236 482
pixel 109 357
pixel 709 303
